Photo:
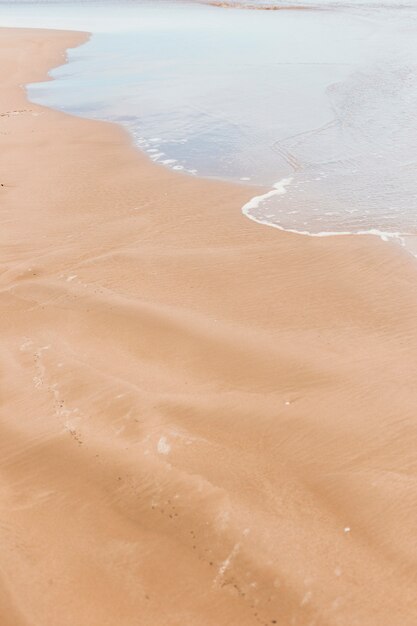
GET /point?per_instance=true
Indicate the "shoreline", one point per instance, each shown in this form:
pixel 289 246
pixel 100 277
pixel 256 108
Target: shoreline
pixel 406 240
pixel 204 421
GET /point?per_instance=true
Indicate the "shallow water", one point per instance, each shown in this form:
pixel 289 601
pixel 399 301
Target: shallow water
pixel 324 99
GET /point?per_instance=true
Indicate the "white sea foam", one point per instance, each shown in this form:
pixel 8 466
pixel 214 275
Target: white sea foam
pixel 280 188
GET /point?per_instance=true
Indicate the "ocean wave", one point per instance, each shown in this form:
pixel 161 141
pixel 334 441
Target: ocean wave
pixel 322 5
pixel 261 7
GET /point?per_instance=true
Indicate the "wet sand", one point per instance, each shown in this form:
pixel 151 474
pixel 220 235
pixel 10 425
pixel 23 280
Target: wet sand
pixel 204 421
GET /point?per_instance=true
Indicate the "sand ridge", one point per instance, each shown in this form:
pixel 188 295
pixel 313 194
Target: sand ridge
pixel 203 420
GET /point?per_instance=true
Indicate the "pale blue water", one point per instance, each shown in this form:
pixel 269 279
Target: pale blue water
pixel 324 98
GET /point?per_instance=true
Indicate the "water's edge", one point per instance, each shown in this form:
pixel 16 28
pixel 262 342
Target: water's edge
pixel 408 242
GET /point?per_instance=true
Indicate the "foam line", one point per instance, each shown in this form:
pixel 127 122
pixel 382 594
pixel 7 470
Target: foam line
pixel 280 189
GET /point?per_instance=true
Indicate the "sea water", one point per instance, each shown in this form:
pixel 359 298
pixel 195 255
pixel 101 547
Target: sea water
pixel 317 104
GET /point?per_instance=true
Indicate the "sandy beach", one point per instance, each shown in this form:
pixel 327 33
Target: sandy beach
pixel 204 421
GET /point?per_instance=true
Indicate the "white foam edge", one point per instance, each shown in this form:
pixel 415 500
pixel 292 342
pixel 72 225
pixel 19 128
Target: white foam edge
pixel 279 189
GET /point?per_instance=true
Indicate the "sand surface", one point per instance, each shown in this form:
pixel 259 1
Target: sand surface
pixel 204 421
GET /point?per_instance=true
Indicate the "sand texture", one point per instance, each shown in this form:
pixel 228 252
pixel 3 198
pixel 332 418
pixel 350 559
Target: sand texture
pixel 204 421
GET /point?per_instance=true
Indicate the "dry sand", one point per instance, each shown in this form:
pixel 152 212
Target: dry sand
pixel 204 421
